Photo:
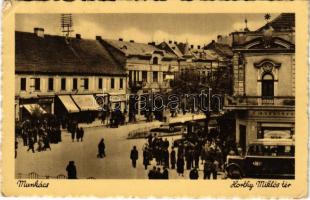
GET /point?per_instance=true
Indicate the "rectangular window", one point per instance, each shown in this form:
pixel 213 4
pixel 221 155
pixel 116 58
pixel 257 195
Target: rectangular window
pixel 120 83
pixel 86 83
pixel 75 83
pixel 112 83
pixel 23 84
pixel 63 84
pixel 155 77
pixel 130 77
pixel 50 84
pixel 144 76
pixel 37 84
pixel 100 83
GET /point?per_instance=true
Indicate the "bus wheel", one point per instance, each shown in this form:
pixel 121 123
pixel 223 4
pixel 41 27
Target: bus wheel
pixel 234 172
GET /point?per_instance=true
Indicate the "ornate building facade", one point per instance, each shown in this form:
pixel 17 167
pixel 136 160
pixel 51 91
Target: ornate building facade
pixel 263 99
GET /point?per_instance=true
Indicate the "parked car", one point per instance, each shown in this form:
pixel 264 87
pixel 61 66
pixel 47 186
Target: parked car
pixel 265 158
pixel 168 128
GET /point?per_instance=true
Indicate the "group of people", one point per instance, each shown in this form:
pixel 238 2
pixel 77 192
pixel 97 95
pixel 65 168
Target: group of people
pixel 75 131
pixel 39 133
pixel 156 173
pixel 185 156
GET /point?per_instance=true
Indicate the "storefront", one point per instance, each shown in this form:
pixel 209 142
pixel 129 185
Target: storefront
pixel 28 107
pixel 258 124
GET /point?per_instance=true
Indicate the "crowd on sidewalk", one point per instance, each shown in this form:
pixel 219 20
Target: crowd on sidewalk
pixel 37 134
pixel 188 155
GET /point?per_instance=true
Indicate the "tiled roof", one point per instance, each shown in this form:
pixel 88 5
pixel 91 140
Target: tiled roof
pixel 205 54
pixel 55 54
pixel 174 47
pixel 284 22
pixel 223 49
pixel 134 48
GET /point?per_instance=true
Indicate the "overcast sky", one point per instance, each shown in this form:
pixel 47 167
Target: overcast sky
pixel 195 28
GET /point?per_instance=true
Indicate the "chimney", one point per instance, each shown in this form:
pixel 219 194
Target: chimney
pixel 78 36
pixel 170 42
pixel 39 32
pixel 132 41
pixel 98 37
pixel 151 43
pixel 120 39
pixel 198 46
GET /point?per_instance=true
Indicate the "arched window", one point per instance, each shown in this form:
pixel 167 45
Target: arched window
pixel 155 61
pixel 267 85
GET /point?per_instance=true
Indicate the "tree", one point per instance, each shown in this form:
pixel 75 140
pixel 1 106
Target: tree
pixel 191 82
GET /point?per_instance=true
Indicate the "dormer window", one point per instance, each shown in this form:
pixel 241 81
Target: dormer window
pixel 155 61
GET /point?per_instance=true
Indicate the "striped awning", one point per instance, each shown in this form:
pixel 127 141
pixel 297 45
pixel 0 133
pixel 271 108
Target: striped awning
pixel 86 102
pixel 32 107
pixel 69 104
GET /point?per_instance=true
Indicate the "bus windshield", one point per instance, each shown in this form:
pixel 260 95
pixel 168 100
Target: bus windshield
pixel 271 150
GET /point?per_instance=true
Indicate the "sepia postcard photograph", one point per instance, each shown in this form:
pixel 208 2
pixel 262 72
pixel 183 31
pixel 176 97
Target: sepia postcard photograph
pixel 125 100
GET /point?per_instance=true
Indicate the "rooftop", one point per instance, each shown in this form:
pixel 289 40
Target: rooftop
pixel 134 48
pixel 56 54
pixel 284 22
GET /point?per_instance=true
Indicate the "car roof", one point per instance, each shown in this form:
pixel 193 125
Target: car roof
pixel 276 142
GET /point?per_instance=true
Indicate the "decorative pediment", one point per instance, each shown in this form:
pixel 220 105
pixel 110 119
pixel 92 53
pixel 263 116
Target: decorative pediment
pixel 267 65
pixel 268 43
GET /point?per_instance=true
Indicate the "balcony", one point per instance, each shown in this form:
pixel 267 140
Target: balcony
pixel 255 101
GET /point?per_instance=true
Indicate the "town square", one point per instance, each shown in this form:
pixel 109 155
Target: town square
pixel 155 96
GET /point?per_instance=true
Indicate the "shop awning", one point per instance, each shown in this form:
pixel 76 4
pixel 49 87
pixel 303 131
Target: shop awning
pixel 31 107
pixel 69 104
pixel 86 102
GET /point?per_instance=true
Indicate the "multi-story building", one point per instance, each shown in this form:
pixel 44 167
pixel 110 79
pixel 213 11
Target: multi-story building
pixel 208 62
pixel 263 97
pixel 65 76
pixel 149 68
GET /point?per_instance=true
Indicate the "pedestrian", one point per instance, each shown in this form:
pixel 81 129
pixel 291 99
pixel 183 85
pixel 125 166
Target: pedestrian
pixel 207 169
pixel 46 143
pixel 146 157
pixel 188 158
pixel 71 170
pixel 78 134
pixel 72 134
pixel 101 149
pixel 166 143
pixel 165 174
pixel 166 158
pixel 81 134
pixel 194 174
pixel 158 174
pixel 40 144
pixel 180 165
pixel 30 144
pixel 134 156
pixel 196 155
pixel 172 158
pixel 24 137
pixel 152 173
